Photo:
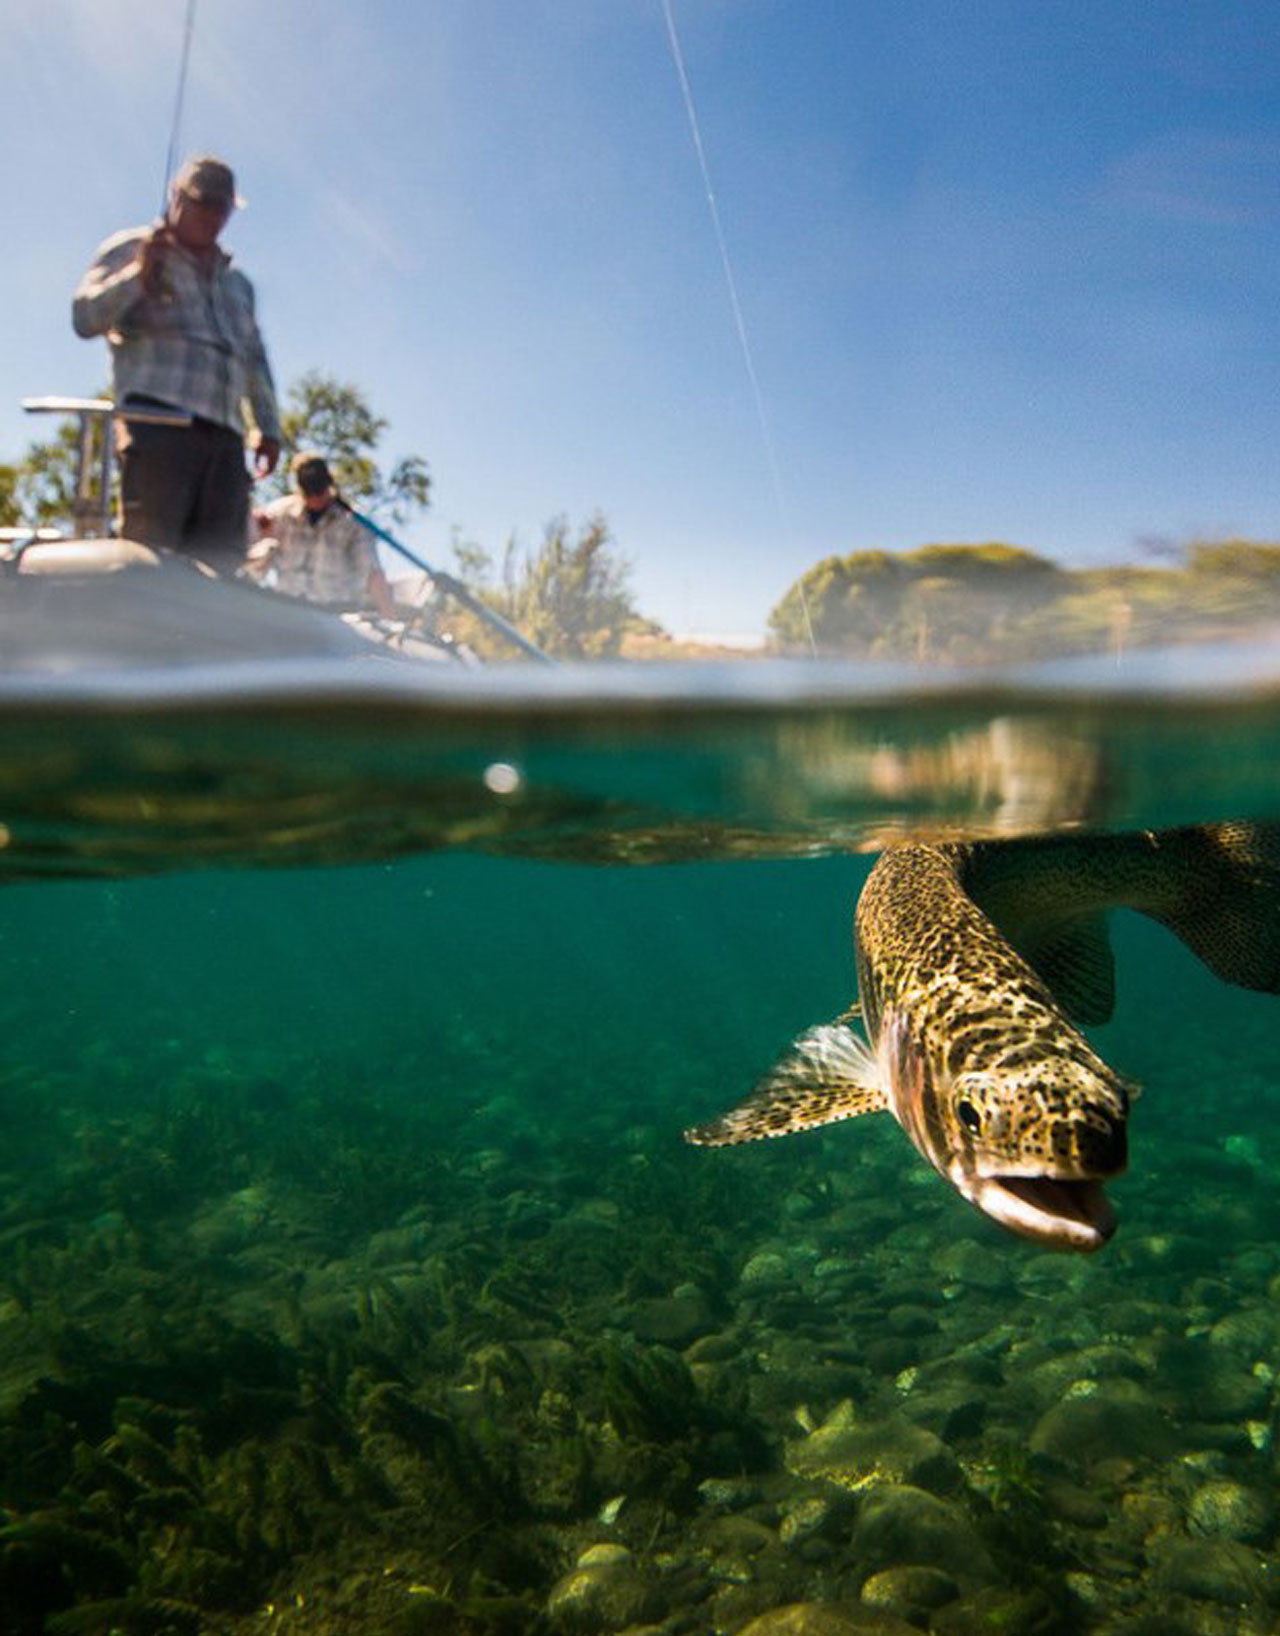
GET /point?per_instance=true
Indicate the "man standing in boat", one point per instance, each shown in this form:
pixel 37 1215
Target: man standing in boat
pixel 313 546
pixel 179 320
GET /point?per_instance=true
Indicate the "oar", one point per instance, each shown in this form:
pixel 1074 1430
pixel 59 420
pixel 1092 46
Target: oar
pixel 446 582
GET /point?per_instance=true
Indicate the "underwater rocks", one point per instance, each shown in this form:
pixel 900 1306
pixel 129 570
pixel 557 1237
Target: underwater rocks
pixel 1101 1421
pixel 901 1526
pixel 1231 1510
pixel 815 1619
pixel 912 1593
pixel 605 1591
pixel 417 1376
pixel 854 1454
pixel 1216 1571
pixel 675 1320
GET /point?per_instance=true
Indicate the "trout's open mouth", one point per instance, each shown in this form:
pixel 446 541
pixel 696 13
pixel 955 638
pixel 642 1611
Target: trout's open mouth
pixel 1062 1215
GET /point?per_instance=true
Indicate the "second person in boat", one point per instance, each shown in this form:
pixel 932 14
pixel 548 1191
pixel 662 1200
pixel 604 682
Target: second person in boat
pixel 311 546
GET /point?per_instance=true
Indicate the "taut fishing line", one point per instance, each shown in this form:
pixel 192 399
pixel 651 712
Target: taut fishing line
pixel 731 284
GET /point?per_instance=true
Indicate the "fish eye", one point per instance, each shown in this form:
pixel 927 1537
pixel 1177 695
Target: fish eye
pixel 969 1116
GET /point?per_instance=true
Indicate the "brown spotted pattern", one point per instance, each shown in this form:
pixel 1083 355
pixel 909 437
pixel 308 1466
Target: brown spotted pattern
pixel 975 962
pixel 988 1076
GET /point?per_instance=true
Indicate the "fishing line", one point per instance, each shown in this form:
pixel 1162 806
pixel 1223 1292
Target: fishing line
pixel 171 156
pixel 731 284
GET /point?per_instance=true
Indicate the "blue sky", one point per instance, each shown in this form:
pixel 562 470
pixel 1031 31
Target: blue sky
pixel 1006 270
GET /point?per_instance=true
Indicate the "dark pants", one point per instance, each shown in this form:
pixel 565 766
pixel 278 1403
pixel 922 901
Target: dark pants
pixel 186 488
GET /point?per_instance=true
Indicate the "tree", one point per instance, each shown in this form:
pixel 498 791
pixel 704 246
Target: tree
pixel 1255 560
pixel 335 419
pixel 10 513
pixel 938 601
pixel 322 413
pixel 44 484
pixel 570 597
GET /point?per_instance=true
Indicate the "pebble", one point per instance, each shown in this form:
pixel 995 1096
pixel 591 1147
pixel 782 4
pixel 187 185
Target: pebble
pixel 765 1270
pixel 805 1517
pixel 818 1619
pixel 997 1611
pixel 901 1526
pixel 891 1449
pixel 727 1493
pixel 1229 1510
pixel 674 1320
pixel 1112 1419
pixel 605 1590
pixel 972 1265
pixel 1212 1570
pixel 912 1593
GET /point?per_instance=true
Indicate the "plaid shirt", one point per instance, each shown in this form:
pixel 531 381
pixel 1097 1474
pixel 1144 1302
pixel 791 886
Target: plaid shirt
pixel 327 561
pixel 195 345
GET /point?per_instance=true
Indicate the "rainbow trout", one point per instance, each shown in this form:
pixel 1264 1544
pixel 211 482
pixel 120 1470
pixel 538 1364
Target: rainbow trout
pixel 976 963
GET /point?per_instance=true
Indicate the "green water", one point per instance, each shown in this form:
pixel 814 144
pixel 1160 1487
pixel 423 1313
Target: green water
pixel 354 1275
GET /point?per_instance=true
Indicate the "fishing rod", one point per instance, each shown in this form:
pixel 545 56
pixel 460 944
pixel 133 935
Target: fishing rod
pixel 183 66
pixel 455 588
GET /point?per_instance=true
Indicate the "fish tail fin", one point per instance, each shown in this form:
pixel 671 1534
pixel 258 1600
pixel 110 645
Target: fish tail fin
pixel 829 1073
pixel 1227 910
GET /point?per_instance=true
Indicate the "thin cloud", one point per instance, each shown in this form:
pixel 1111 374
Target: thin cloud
pixel 1200 178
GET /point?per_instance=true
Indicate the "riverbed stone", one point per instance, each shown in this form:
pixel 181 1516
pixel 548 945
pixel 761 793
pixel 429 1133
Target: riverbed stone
pixel 1050 1379
pixel 1227 1509
pixel 1250 1332
pixel 901 1526
pixel 953 1412
pixel 1229 1394
pixel 997 1611
pixel 766 1269
pixel 821 1619
pixel 1103 1420
pixel 912 1593
pixel 675 1320
pixel 966 1262
pixel 853 1454
pixel 605 1590
pixel 1213 1570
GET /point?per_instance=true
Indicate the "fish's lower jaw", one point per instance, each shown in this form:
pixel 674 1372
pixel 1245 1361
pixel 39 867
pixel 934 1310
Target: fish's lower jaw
pixel 1060 1215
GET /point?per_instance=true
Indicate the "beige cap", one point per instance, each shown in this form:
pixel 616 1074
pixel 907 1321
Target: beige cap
pixel 209 181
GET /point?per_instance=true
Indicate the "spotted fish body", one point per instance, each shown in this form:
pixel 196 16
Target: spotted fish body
pixel 975 963
pixel 982 1068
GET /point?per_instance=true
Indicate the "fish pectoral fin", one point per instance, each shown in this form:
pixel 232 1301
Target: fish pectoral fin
pixel 828 1074
pixel 1075 959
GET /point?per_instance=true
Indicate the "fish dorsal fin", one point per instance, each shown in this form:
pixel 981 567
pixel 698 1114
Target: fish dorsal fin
pixel 1227 904
pixel 1075 959
pixel 828 1074
pixel 1216 886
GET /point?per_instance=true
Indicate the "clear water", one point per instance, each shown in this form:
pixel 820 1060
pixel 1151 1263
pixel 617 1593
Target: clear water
pixel 354 1276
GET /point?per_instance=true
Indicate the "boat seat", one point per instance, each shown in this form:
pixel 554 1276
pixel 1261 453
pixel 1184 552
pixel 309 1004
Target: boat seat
pixel 80 557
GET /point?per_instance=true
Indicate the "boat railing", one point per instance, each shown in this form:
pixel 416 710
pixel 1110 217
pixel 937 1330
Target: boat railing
pixel 91 511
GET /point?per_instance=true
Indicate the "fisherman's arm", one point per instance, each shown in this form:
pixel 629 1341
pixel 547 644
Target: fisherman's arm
pixel 379 592
pixel 116 281
pixel 262 395
pixel 377 587
pixel 265 439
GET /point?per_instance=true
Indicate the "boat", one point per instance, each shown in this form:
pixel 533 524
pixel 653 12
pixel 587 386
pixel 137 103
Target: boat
pixel 93 604
pixel 91 600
